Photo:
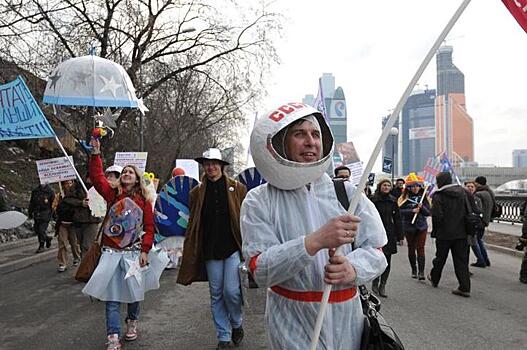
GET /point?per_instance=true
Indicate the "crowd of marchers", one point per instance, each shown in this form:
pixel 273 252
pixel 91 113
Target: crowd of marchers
pixel 285 232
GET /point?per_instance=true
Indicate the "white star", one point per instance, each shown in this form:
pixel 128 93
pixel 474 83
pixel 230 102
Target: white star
pixel 109 85
pixel 142 106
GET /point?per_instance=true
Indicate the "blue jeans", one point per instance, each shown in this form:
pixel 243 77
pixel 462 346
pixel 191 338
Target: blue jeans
pixel 225 295
pixel 479 249
pixel 113 316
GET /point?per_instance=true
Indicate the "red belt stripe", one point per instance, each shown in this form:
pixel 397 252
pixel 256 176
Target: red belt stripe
pixel 337 296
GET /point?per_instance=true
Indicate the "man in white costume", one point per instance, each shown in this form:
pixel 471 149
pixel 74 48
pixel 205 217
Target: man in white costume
pixel 292 225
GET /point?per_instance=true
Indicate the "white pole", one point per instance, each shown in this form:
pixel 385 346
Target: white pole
pixel 72 165
pixel 386 131
pixel 420 202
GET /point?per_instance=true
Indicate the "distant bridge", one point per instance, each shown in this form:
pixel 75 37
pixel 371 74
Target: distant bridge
pixel 496 176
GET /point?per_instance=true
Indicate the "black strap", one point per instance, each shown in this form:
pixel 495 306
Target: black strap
pixel 342 196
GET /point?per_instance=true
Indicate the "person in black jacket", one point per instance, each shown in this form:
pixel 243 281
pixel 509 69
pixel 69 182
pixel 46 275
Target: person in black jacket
pixel 388 209
pixel 40 211
pixel 449 208
pixel 398 188
pixel 410 205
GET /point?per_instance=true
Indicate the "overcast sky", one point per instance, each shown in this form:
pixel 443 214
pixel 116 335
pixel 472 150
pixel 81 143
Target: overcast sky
pixel 373 48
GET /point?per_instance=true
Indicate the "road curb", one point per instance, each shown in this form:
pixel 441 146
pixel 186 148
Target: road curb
pixel 504 250
pixel 18 243
pixel 28 261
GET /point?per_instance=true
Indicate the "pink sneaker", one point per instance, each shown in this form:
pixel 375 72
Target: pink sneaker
pixel 113 342
pixel 131 330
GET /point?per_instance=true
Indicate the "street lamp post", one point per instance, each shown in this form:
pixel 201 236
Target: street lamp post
pixel 394 132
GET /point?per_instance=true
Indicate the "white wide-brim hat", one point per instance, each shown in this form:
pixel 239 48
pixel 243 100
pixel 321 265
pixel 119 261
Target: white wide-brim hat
pixel 211 154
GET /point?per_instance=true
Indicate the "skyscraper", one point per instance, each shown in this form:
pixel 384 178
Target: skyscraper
pixel 519 158
pixel 328 84
pixel 454 126
pixel 335 102
pixel 418 130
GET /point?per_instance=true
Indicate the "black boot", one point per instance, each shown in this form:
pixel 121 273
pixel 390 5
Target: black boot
pixel 40 248
pixel 384 279
pixel 375 286
pixel 421 264
pixel 382 290
pixel 48 241
pixel 411 258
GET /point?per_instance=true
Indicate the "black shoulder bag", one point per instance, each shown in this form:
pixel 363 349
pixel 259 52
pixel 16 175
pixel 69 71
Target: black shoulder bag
pixel 377 334
pixel 473 221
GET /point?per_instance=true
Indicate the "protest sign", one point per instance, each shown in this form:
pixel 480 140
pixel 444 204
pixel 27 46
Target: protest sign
pixel 190 166
pixel 55 170
pixel 347 153
pixel 20 115
pixel 131 158
pixel 356 172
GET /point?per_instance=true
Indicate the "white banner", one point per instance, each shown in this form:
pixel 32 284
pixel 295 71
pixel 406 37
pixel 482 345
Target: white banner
pixel 131 158
pixel 190 166
pixel 55 170
pixel 427 132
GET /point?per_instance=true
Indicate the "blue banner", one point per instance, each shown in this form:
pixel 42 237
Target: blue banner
pixel 20 115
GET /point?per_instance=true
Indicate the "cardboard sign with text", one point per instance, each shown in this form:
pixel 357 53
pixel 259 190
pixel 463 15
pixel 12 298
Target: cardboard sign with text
pixel 55 170
pixel 131 158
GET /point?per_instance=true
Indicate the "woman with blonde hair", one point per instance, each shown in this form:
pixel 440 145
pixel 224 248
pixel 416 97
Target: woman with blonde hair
pixel 127 267
pixel 411 203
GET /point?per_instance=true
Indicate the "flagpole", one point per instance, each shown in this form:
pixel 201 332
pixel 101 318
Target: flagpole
pixel 384 135
pixel 71 162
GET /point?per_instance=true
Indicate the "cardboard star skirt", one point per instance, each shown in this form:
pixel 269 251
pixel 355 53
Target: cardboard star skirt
pixel 118 276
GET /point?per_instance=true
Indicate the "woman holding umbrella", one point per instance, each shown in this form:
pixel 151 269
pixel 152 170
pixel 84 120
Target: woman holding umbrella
pixel 127 268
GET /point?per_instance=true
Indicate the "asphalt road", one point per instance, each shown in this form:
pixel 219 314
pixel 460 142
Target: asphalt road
pixel 42 309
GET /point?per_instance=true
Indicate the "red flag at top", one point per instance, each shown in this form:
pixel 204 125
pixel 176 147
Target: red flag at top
pixel 518 9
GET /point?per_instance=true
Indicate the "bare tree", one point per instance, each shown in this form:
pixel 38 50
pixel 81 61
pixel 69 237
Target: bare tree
pixel 200 65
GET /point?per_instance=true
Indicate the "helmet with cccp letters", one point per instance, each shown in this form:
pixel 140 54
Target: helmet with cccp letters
pixel 267 147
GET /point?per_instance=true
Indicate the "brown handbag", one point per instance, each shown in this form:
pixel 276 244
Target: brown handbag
pixel 90 261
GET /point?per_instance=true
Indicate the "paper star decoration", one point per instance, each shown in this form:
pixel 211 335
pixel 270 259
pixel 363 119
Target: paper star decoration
pixel 108 118
pixel 109 85
pixel 135 270
pixel 80 78
pixel 142 106
pixel 54 78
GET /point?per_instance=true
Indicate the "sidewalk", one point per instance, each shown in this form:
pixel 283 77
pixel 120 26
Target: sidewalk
pixel 506 227
pixel 21 254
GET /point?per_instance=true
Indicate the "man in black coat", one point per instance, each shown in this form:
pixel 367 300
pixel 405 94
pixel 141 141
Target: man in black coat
pixel 40 211
pixel 449 208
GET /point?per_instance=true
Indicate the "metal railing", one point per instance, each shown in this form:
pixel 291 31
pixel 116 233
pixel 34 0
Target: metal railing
pixel 511 206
